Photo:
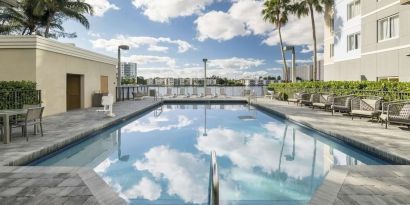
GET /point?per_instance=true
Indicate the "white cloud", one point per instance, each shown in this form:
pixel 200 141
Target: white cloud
pixel 154 44
pixel 299 32
pixel 146 189
pixel 101 6
pixel 145 59
pixel 104 165
pixel 164 10
pixel 243 18
pixel 235 63
pixel 154 124
pixel 298 61
pixel 187 175
pixel 220 26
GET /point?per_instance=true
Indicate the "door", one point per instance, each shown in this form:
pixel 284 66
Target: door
pixel 73 92
pixel 104 84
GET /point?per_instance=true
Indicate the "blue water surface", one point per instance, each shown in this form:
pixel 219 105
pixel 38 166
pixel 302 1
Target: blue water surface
pixel 163 156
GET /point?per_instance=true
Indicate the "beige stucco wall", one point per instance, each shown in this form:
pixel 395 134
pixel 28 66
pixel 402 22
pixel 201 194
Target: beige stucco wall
pixel 52 70
pixel 48 62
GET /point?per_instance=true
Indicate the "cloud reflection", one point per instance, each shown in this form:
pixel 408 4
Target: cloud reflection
pixel 154 124
pixel 146 189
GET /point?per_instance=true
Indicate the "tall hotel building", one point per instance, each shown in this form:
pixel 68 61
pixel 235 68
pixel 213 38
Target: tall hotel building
pixel 367 40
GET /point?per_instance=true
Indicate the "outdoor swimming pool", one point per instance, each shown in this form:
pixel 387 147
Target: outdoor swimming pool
pixel 163 157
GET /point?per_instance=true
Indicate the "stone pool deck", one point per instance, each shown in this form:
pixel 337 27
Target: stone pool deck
pixel 54 185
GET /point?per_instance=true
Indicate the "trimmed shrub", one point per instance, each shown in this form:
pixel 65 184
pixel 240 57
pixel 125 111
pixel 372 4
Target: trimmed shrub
pixel 14 94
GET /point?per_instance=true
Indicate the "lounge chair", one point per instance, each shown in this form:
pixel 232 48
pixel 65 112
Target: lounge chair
pixel 137 96
pixel 208 92
pixel 305 99
pixel 182 92
pixel 322 101
pixel 397 112
pixel 295 99
pixel 33 117
pixel 194 91
pixel 366 106
pixel 341 104
pixel 222 92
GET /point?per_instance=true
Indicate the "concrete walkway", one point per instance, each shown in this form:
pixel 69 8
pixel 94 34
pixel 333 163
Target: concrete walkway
pixel 66 128
pixel 392 144
pixel 54 185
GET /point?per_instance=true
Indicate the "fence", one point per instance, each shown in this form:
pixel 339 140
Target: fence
pixel 125 93
pixel 387 95
pixel 17 98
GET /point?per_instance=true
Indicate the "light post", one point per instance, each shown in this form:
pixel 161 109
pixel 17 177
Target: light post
pixel 205 60
pixel 121 47
pixel 292 73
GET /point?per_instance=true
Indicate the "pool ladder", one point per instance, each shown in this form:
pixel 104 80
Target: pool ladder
pixel 213 191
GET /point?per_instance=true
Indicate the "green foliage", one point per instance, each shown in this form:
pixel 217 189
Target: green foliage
pixel 387 90
pixel 14 94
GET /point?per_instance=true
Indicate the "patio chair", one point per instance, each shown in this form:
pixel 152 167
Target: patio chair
pixel 33 117
pixel 182 92
pixel 208 92
pixel 107 102
pixel 341 104
pixel 137 96
pixel 194 91
pixel 322 101
pixel 169 93
pixel 305 99
pixel 366 106
pixel 397 112
pixel 295 99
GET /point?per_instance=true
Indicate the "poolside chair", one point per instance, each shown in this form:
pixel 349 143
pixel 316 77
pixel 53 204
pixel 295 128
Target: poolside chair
pixel 170 94
pixel 137 96
pixel 182 92
pixel 33 117
pixel 194 91
pixel 397 112
pixel 208 92
pixel 222 92
pixel 365 106
pixel 295 99
pixel 305 99
pixel 107 102
pixel 322 101
pixel 341 104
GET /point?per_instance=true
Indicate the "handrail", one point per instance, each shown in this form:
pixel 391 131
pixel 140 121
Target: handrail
pixel 213 192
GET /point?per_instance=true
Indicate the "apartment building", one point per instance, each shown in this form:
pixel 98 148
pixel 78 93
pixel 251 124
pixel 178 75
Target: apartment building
pixel 367 40
pixel 129 70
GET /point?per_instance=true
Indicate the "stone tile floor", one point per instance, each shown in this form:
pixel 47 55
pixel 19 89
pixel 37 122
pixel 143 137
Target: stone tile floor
pixel 392 143
pixel 54 185
pixel 378 185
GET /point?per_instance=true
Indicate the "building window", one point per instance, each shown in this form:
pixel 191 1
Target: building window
pixel 332 50
pixel 388 27
pixel 353 9
pixel 353 42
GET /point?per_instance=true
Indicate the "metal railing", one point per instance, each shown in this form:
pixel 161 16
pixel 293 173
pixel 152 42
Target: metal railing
pixel 15 99
pixel 126 92
pixel 213 191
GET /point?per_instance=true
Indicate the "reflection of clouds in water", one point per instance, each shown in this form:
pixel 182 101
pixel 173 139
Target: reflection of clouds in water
pixel 146 189
pixel 154 124
pixel 187 175
pixel 275 129
pixel 245 151
pixel 104 165
pixel 258 150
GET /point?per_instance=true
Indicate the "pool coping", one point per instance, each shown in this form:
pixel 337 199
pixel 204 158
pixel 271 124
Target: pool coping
pixel 363 146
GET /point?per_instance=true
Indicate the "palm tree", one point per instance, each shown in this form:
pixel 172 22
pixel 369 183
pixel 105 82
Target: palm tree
pixel 308 7
pixel 20 20
pixel 52 9
pixel 276 12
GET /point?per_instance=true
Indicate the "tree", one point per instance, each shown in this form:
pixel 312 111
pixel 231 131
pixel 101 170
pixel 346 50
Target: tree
pixel 51 10
pixel 308 8
pixel 21 20
pixel 276 12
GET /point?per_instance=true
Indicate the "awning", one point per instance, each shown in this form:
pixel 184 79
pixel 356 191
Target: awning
pixel 12 3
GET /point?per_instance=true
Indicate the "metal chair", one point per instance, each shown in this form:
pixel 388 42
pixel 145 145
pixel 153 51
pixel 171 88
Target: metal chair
pixel 341 104
pixel 366 106
pixel 33 117
pixel 397 112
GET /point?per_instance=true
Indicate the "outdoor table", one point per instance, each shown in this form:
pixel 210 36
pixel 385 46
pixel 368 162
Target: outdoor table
pixel 6 114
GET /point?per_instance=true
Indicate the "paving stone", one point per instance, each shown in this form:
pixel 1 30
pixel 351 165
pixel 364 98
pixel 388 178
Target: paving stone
pixel 72 182
pixel 11 191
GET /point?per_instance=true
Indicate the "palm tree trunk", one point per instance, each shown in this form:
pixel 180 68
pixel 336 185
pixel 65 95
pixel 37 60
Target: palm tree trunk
pixel 312 17
pixel 48 25
pixel 285 68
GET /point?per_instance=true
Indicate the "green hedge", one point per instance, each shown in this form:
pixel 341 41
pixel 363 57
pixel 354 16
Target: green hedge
pixel 387 90
pixel 14 94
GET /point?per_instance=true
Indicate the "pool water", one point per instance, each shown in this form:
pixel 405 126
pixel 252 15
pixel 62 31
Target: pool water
pixel 163 157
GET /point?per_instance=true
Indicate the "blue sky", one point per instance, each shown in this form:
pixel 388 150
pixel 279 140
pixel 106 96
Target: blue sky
pixel 169 38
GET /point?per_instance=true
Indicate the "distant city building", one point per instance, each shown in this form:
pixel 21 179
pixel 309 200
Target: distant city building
pixel 367 40
pixel 129 70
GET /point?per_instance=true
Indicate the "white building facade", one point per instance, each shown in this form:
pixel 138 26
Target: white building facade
pixel 367 40
pixel 129 70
